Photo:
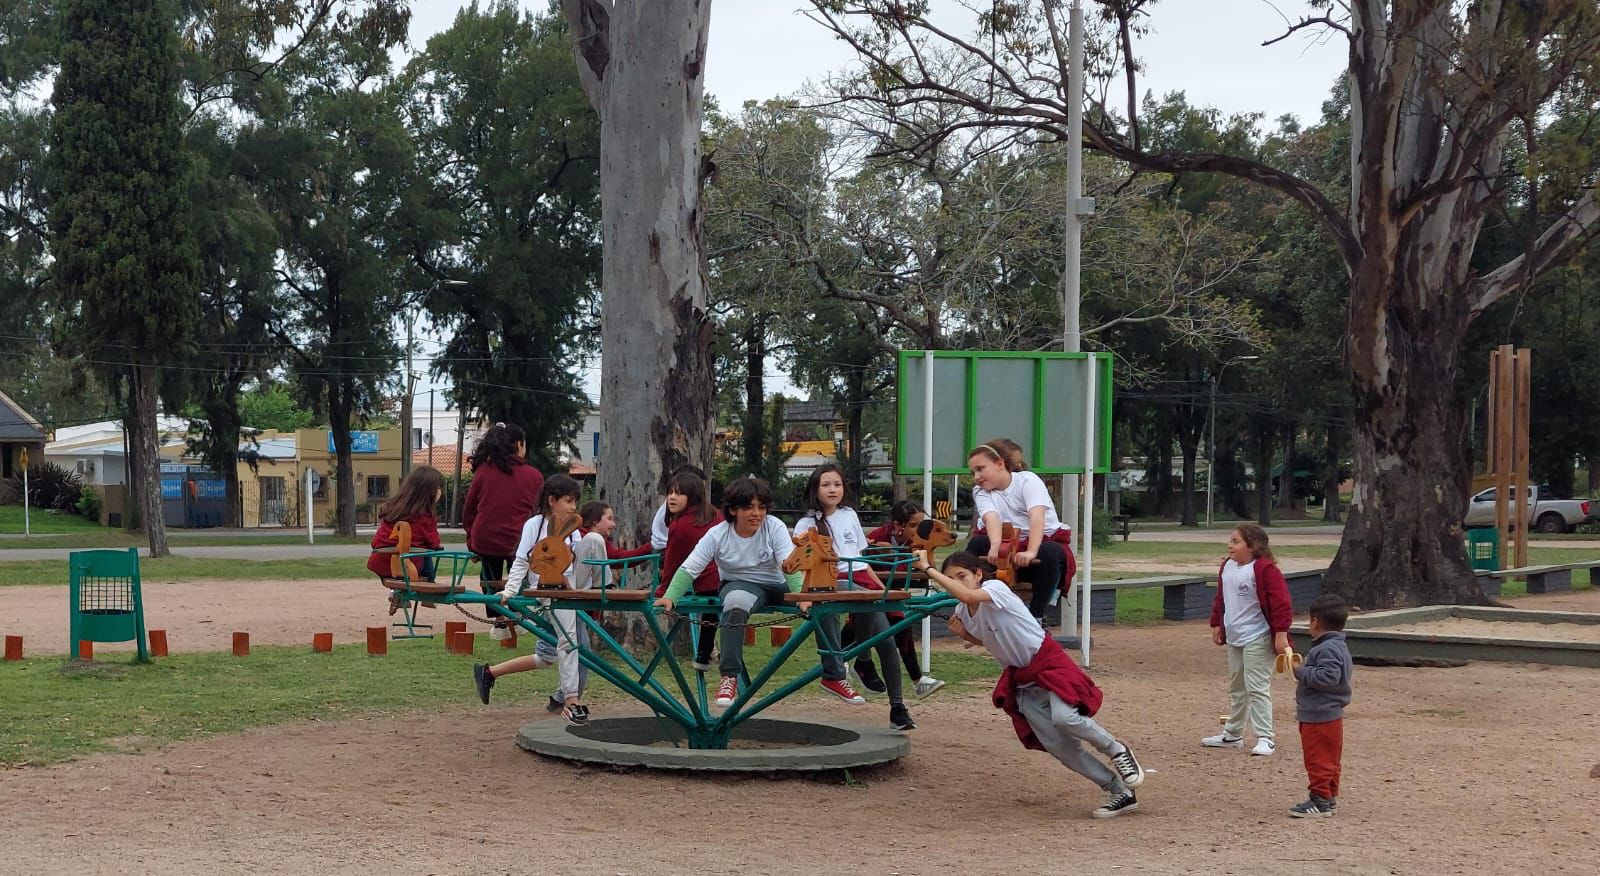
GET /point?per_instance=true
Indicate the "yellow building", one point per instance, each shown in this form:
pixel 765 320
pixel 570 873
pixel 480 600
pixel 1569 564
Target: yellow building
pixel 272 494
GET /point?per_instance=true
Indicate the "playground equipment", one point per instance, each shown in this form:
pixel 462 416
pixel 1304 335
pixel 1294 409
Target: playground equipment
pixel 105 601
pixel 678 697
pixel 409 586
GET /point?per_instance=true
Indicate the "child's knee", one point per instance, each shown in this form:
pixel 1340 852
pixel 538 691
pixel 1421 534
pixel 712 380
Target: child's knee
pixel 738 600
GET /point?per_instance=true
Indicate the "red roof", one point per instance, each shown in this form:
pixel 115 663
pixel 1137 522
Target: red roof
pixel 440 457
pixel 582 469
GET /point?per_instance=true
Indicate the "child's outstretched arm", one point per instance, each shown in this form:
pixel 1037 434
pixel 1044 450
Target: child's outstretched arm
pixel 972 597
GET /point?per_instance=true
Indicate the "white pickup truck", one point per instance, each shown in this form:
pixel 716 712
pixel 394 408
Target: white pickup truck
pixel 1544 515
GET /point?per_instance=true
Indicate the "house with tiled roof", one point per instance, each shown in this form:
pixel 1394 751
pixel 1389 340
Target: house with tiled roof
pixel 19 432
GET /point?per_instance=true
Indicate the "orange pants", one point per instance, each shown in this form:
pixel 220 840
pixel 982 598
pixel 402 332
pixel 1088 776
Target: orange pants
pixel 1322 744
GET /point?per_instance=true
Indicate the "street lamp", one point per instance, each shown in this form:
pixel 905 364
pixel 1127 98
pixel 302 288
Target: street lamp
pixel 1211 452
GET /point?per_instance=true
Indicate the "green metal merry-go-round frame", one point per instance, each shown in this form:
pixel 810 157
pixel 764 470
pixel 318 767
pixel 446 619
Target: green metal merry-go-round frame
pixel 679 698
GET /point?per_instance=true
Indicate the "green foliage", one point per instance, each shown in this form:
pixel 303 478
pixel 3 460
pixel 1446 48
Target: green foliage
pixel 509 237
pixel 89 504
pixel 271 406
pixel 50 487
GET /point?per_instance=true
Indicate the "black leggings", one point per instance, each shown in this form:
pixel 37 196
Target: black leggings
pixel 905 641
pixel 1047 567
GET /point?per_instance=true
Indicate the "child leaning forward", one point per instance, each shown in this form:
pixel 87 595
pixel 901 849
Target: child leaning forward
pixel 1051 701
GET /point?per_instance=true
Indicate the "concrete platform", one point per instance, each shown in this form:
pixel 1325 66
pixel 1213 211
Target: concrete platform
pixel 1366 636
pixel 785 746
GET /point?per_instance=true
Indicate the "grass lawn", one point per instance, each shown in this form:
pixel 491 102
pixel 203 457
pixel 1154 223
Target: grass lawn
pixel 22 572
pixel 43 522
pixel 54 711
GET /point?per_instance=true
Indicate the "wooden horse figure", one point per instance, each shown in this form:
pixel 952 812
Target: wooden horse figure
pixel 551 557
pixel 1005 570
pixel 929 535
pixel 400 568
pixel 813 554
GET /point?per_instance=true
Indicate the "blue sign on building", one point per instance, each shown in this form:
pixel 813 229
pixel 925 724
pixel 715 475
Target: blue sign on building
pixel 360 442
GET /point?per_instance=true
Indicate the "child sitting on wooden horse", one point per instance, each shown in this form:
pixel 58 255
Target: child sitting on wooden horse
pixel 902 531
pixel 1051 701
pixel 549 549
pixel 414 504
pixel 749 549
pixel 1004 491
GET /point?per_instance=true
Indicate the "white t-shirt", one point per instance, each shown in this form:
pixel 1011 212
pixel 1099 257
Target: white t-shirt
pixel 1004 625
pixel 844 527
pixel 1026 492
pixel 658 529
pixel 757 559
pixel 533 532
pixel 1243 621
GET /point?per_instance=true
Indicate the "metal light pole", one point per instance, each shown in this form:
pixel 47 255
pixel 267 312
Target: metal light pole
pixel 1072 222
pixel 1211 450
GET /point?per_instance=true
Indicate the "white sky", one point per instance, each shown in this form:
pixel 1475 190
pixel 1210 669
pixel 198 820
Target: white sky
pixel 1210 49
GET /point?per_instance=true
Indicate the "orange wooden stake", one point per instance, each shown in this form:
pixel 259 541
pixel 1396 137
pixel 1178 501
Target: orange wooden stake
pixel 85 649
pixel 158 643
pixel 450 630
pixel 462 641
pixel 749 635
pixel 509 641
pixel 321 643
pixel 377 641
pixel 241 644
pixel 13 647
pixel 781 635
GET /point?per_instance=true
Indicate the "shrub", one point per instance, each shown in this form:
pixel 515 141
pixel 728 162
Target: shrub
pixel 89 504
pixel 50 487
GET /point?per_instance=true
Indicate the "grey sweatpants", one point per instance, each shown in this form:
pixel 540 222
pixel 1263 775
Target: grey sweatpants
pixel 1062 731
pixel 740 599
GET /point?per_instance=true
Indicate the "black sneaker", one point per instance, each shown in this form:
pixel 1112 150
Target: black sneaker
pixel 577 714
pixel 1120 802
pixel 1316 807
pixel 1127 766
pixel 900 717
pixel 554 705
pixel 484 681
pixel 868 673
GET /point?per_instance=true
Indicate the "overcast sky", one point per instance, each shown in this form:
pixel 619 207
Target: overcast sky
pixel 1210 49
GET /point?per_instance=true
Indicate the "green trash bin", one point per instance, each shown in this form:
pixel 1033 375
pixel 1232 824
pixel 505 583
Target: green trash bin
pixel 105 602
pixel 1483 547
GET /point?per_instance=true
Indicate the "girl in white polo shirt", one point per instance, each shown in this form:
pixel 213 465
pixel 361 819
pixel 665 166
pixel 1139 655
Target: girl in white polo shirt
pixel 1051 700
pixel 826 512
pixel 1004 491
pixel 749 548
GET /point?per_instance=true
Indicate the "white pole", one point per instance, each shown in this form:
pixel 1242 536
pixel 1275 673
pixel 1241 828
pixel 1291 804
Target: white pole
pixel 27 523
pixel 1086 559
pixel 311 512
pixel 1211 452
pixel 1072 223
pixel 927 486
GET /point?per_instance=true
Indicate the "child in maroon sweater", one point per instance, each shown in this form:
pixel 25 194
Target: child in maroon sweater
pixel 1251 616
pixel 690 515
pixel 414 504
pixel 503 495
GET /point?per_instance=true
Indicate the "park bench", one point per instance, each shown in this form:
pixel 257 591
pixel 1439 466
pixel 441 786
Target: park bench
pixel 1122 523
pixel 1551 578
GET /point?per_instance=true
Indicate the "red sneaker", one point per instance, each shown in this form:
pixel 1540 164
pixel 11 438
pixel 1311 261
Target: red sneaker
pixel 727 691
pixel 840 687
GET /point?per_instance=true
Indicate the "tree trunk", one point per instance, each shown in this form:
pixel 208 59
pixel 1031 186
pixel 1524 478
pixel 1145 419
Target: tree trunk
pixel 1286 479
pixel 149 485
pixel 1265 436
pixel 1190 449
pixel 133 451
pixel 340 394
pixel 755 398
pixel 855 466
pixel 1330 473
pixel 1594 477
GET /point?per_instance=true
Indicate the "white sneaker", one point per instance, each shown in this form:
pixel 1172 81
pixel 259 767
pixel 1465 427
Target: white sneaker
pixel 1223 740
pixel 701 667
pixel 1264 747
pixel 926 685
pixel 499 633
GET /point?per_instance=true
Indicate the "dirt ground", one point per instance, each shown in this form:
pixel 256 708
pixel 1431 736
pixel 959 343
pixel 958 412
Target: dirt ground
pixel 1468 770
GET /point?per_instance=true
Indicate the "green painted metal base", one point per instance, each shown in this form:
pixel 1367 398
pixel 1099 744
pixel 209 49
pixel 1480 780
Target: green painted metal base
pixel 676 696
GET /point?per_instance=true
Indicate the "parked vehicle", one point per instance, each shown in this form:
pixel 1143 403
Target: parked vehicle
pixel 1544 515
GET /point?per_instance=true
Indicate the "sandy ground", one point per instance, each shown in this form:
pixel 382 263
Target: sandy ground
pixel 1468 770
pixel 1463 626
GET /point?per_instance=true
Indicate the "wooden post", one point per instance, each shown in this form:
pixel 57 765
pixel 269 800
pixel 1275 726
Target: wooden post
pixel 511 640
pixel 749 636
pixel 321 643
pixel 85 649
pixel 377 641
pixel 158 643
pixel 1519 469
pixel 13 647
pixel 241 644
pixel 450 630
pixel 1502 371
pixel 461 641
pixel 780 635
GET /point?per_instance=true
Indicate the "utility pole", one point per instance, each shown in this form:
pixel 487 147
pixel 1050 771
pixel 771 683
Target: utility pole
pixel 407 402
pixel 1077 207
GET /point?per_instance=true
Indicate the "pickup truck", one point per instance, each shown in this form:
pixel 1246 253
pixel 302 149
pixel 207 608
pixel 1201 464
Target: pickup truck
pixel 1544 515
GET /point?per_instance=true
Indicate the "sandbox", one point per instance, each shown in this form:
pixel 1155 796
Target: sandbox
pixel 1458 632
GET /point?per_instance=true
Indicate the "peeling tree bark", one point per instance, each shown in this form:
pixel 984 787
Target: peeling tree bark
pixel 642 63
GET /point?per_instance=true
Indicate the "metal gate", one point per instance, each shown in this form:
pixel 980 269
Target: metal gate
pixel 274 508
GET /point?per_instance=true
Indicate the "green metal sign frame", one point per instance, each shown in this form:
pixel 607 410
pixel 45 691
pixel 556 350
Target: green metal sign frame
pixel 967 384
